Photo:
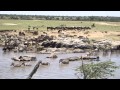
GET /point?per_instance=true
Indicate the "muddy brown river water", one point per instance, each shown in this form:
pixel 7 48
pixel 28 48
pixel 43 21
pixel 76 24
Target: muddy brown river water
pixel 54 71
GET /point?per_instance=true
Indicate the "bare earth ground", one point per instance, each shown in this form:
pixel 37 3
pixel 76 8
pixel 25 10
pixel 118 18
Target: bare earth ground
pixel 103 23
pixel 9 24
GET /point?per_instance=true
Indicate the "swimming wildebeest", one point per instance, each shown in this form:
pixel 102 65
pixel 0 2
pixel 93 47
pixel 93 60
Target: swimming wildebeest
pixel 64 61
pixel 44 63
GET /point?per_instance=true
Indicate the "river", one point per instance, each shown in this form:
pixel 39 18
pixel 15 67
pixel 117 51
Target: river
pixel 54 70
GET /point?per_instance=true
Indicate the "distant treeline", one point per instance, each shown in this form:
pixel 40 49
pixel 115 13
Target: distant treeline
pixel 67 18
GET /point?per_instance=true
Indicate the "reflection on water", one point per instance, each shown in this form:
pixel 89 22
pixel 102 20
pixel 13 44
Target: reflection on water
pixel 54 71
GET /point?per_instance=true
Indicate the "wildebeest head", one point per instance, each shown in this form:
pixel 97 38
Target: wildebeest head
pixel 60 60
pixel 40 62
pixel 12 64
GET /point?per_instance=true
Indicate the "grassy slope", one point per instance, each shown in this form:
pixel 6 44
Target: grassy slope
pixel 23 24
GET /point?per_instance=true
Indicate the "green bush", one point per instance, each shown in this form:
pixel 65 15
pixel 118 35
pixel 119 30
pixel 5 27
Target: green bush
pixel 96 71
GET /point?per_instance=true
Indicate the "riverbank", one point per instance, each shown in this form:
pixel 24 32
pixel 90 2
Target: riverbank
pixel 52 41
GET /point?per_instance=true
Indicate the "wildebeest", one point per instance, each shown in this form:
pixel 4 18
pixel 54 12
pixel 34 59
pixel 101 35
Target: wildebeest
pixel 68 28
pixel 27 58
pixel 44 63
pixel 64 61
pixel 53 55
pixel 21 34
pixel 17 65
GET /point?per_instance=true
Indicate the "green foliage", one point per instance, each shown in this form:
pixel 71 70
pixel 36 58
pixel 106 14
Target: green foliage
pixel 98 70
pixel 68 18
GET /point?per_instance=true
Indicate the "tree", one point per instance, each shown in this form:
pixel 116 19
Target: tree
pixel 96 71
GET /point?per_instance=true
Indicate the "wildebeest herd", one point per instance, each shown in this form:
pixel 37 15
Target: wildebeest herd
pixel 68 28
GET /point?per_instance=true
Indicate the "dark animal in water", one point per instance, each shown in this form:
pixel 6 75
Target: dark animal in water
pixel 26 64
pixel 74 58
pixel 44 63
pixel 16 65
pixel 52 56
pixel 64 61
pixel 15 59
pixel 27 58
